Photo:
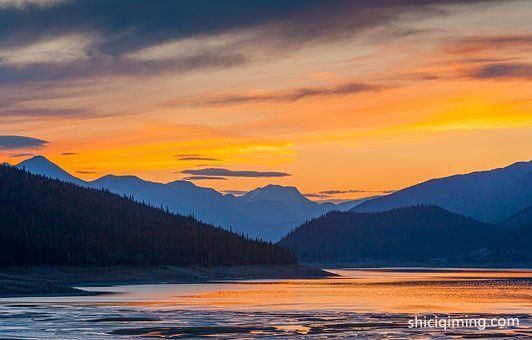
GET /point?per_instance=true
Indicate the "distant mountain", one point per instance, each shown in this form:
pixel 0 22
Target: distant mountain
pixel 50 222
pixel 490 196
pixel 414 235
pixel 268 213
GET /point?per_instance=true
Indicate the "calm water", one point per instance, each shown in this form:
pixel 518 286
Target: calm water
pixel 359 302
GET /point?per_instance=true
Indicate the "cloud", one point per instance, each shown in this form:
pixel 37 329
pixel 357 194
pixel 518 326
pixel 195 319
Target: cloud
pixel 293 95
pixel 497 42
pixel 68 153
pixel 502 71
pixel 85 172
pixel 314 195
pixel 336 192
pixel 57 50
pixel 42 112
pixel 23 4
pixel 199 178
pixel 329 193
pixel 197 158
pixel 220 172
pixel 17 155
pixel 21 142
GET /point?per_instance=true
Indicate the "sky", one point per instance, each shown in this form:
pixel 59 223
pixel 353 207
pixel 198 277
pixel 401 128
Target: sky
pixel 342 99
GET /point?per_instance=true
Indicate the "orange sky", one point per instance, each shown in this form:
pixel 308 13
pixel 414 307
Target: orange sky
pixel 372 111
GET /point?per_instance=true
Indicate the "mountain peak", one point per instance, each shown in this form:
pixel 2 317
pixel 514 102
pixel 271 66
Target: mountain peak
pixel 273 192
pixel 35 160
pixel 41 165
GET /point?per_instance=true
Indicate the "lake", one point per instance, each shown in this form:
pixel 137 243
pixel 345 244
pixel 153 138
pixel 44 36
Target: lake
pixel 368 302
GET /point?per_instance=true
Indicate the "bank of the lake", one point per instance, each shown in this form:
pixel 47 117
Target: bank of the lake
pixel 60 280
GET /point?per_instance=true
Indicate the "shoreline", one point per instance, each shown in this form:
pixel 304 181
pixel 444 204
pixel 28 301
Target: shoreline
pixel 61 280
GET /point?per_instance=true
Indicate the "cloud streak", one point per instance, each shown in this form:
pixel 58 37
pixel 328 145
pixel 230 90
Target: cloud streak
pixel 197 158
pixel 293 95
pixel 503 71
pixel 201 178
pixel 497 42
pixel 18 155
pixel 221 172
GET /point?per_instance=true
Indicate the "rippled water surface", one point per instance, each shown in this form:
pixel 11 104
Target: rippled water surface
pixel 358 302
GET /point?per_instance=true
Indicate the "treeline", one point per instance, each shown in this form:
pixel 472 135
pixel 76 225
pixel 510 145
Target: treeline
pixel 49 222
pixel 418 234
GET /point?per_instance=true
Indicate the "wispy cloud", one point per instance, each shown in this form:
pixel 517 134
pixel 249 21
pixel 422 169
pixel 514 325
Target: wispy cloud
pixel 197 158
pixel 21 142
pixel 57 50
pixel 220 172
pixel 291 95
pixel 68 153
pixel 17 155
pixel 497 42
pixel 501 71
pixel 330 193
pixel 200 178
pixel 24 4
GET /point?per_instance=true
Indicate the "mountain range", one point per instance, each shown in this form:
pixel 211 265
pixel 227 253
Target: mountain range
pixel 267 213
pixel 272 211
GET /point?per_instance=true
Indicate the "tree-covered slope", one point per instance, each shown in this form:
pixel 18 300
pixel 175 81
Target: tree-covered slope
pixel 421 234
pixel 49 222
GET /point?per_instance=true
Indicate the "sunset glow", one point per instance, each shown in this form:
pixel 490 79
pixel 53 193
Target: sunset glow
pixel 358 107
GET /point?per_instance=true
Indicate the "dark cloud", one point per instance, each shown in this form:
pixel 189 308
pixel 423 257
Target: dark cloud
pixel 314 195
pixel 85 172
pixel 294 95
pixel 17 155
pixel 42 112
pixel 200 178
pixel 329 193
pixel 68 153
pixel 197 158
pixel 503 71
pixel 232 173
pixel 21 142
pixel 107 32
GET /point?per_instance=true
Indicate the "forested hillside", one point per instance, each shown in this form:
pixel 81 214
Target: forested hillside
pixel 49 222
pixel 418 234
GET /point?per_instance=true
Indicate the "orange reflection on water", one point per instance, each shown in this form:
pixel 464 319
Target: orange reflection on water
pixel 453 291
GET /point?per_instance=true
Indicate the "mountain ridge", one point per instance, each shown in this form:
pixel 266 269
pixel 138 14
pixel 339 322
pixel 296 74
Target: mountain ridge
pixel 489 195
